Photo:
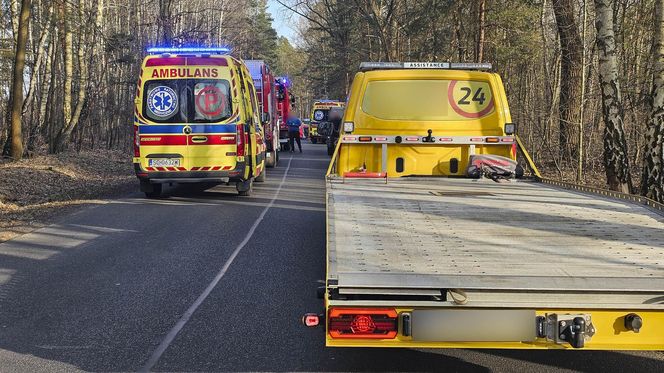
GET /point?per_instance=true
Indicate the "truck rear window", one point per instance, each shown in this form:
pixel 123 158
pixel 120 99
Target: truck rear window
pixel 425 100
pixel 187 100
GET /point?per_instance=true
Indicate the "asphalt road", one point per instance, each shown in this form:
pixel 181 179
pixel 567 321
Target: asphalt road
pixel 208 281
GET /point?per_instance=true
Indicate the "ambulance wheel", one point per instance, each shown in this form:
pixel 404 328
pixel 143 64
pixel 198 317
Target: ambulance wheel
pixel 271 160
pixel 244 187
pixel 154 192
pixel 261 178
pixel 314 140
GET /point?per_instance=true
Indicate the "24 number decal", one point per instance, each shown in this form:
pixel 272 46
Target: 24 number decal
pixel 477 97
pixel 470 99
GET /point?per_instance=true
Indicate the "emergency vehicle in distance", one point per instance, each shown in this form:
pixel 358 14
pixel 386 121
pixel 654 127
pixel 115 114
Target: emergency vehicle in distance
pixel 266 89
pixel 196 121
pixel 320 111
pixel 285 105
pixel 417 259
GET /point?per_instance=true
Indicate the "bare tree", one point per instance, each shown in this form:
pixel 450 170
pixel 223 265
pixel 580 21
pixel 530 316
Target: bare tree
pixel 571 72
pixel 17 86
pixel 652 185
pixel 616 162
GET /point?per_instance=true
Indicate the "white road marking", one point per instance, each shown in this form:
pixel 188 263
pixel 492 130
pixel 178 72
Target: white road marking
pixel 156 355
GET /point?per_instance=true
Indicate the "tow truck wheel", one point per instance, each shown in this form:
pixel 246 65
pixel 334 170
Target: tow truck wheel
pixel 152 191
pixel 314 140
pixel 244 187
pixel 261 178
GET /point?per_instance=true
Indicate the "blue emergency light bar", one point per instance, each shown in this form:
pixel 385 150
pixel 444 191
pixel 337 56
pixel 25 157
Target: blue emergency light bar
pixel 189 50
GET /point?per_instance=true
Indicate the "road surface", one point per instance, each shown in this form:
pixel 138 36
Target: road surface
pixel 208 281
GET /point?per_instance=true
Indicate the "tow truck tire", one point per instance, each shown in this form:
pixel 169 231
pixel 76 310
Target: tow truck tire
pixel 153 191
pixel 261 178
pixel 244 187
pixel 314 140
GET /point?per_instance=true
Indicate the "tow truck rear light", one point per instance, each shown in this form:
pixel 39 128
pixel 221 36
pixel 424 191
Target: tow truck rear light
pixel 412 138
pixel 375 323
pixel 379 138
pixel 445 139
pixel 507 139
pixel 492 139
pixel 240 140
pixel 350 138
pixel 365 138
pixel 137 143
pixel 477 139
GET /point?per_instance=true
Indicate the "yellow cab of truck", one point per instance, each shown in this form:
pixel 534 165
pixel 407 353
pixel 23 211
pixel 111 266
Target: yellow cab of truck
pixel 196 121
pixel 456 109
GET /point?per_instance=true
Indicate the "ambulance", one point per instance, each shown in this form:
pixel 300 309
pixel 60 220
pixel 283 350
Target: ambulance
pixel 196 121
pixel 319 114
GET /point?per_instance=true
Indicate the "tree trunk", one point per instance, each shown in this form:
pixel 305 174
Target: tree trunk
pixel 165 22
pixel 616 162
pixel 652 185
pixel 17 86
pixel 570 70
pixel 41 51
pixel 479 49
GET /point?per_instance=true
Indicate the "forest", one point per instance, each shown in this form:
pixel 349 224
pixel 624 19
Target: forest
pixel 585 78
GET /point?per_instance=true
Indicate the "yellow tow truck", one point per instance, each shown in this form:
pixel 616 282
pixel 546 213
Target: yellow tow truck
pixel 436 240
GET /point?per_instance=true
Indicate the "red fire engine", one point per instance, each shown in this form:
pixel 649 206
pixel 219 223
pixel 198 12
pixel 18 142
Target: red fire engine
pixel 267 92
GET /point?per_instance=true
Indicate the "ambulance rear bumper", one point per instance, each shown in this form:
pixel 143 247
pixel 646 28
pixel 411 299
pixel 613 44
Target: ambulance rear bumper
pixel 183 177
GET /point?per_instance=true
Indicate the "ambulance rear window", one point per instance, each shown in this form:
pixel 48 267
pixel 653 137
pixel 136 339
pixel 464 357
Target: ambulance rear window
pixel 428 100
pixel 212 101
pixel 187 100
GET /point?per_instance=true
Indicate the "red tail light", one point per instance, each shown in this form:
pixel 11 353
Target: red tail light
pixel 378 323
pixel 240 140
pixel 137 143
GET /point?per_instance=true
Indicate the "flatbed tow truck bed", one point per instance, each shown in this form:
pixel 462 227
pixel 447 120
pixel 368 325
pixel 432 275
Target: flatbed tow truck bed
pixel 427 242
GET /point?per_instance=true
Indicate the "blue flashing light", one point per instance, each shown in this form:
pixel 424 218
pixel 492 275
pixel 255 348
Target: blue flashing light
pixel 283 80
pixel 192 50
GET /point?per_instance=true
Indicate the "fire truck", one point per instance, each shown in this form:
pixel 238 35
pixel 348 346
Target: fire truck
pixel 437 239
pixel 285 105
pixel 266 89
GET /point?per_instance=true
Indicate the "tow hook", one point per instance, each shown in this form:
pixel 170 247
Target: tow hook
pixel 575 329
pixel 311 320
pixel 429 138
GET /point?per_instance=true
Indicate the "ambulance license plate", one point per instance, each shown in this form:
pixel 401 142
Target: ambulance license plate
pixel 164 162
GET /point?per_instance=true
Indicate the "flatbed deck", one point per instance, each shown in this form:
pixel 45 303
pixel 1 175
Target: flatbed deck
pixel 497 240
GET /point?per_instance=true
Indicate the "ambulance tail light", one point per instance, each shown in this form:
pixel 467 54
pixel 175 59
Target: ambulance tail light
pixel 240 140
pixel 365 323
pixel 137 143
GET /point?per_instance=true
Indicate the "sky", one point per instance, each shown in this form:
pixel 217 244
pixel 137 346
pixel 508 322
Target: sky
pixel 283 19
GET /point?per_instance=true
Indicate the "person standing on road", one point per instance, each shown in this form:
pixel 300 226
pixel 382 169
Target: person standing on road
pixel 294 123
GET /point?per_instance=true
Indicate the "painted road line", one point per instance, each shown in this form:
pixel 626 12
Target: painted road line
pixel 156 355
